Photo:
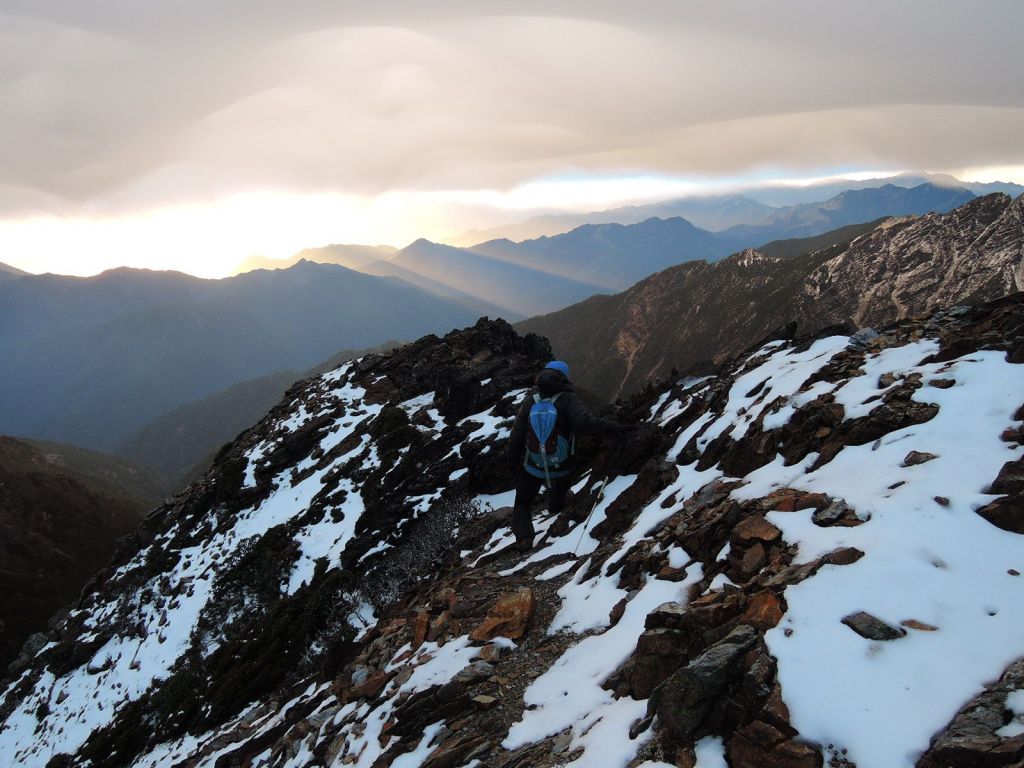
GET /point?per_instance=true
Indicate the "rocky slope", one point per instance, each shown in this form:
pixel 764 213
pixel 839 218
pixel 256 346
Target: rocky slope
pixel 813 557
pixel 695 315
pixel 62 511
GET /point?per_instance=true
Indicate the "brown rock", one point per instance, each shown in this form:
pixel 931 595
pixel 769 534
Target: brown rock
pixel 758 744
pixel 617 612
pixel 1010 478
pixel 1006 513
pixel 942 501
pixel 371 687
pixel 509 617
pixel 919 625
pixel 754 528
pixel 490 653
pixel 942 383
pixel 812 501
pixel 484 702
pixel 764 611
pixel 420 627
pixel 843 556
pixel 914 458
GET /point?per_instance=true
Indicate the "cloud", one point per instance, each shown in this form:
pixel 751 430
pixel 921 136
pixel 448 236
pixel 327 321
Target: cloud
pixel 117 105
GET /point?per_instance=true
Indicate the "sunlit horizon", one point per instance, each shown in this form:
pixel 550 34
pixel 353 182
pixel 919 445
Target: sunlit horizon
pixel 211 240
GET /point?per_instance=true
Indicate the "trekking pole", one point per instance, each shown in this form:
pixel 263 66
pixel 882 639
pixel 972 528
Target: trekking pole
pixel 600 495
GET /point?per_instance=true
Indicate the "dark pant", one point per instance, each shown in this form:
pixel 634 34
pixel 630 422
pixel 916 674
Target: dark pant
pixel 526 491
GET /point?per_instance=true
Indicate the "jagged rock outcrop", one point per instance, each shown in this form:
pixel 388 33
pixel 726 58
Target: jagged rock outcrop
pixel 339 590
pixel 696 315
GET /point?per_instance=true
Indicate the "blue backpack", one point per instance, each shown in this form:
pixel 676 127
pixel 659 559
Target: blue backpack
pixel 546 450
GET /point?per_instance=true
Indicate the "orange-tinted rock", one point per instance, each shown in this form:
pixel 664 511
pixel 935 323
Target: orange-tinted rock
pixel 764 611
pixel 919 625
pixel 509 617
pixel 420 627
pixel 371 687
pixel 812 501
pixel 755 528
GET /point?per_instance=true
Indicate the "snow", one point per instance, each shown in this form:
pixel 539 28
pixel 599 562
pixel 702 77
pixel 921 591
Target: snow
pixel 415 758
pixel 569 693
pixel 710 753
pixel 944 566
pixel 1015 704
pixel 575 543
pixel 782 373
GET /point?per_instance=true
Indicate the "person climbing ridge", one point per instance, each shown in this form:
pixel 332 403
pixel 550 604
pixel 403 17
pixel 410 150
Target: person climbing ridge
pixel 542 444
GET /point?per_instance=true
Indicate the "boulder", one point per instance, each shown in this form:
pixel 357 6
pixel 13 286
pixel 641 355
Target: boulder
pixel 509 617
pixel 686 698
pixel 872 627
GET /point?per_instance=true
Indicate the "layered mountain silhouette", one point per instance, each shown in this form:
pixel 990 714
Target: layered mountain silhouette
pixel 351 256
pixel 93 360
pixel 717 213
pixel 691 316
pixel 547 273
pixel 7 272
pixel 62 510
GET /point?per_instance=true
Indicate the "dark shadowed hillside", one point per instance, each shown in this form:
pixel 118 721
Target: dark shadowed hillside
pixel 62 511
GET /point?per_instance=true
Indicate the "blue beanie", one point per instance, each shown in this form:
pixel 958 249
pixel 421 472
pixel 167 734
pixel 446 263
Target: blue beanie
pixel 559 365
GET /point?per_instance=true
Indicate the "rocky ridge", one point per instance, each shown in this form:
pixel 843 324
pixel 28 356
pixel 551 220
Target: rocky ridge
pixel 783 570
pixel 694 316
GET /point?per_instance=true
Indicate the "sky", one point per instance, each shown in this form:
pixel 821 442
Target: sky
pixel 189 135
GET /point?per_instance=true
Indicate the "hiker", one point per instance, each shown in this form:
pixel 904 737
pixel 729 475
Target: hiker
pixel 543 442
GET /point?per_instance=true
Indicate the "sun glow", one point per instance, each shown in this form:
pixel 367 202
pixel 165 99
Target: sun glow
pixel 208 240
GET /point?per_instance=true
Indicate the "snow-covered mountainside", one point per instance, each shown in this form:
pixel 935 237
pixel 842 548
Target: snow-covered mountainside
pixel 812 558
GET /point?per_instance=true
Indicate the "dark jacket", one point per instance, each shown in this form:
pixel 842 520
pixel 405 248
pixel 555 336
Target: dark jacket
pixel 573 416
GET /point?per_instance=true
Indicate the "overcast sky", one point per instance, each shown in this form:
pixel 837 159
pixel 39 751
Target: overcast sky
pixel 123 116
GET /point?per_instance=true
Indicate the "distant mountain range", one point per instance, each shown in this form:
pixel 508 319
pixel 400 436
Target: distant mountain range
pixel 547 273
pixel 93 360
pixel 717 213
pixel 692 316
pixel 7 271
pixel 351 256
pixel 62 510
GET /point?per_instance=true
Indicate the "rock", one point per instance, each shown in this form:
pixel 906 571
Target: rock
pixel 1006 513
pixel 509 617
pixel 971 739
pixel 1010 479
pixel 561 743
pixel 872 627
pixel 918 625
pixel 914 458
pixel 836 513
pixel 370 686
pixel 941 383
pixel 617 612
pixel 475 672
pixel 942 501
pixel 490 653
pixel 484 702
pixel 758 745
pixel 764 611
pixel 666 615
pixel 683 701
pixel 864 337
pixel 754 528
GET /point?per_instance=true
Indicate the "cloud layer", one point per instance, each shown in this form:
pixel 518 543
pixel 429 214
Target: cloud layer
pixel 119 105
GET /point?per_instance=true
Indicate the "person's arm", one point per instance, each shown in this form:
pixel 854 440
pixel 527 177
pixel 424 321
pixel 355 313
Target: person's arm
pixel 583 422
pixel 517 440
